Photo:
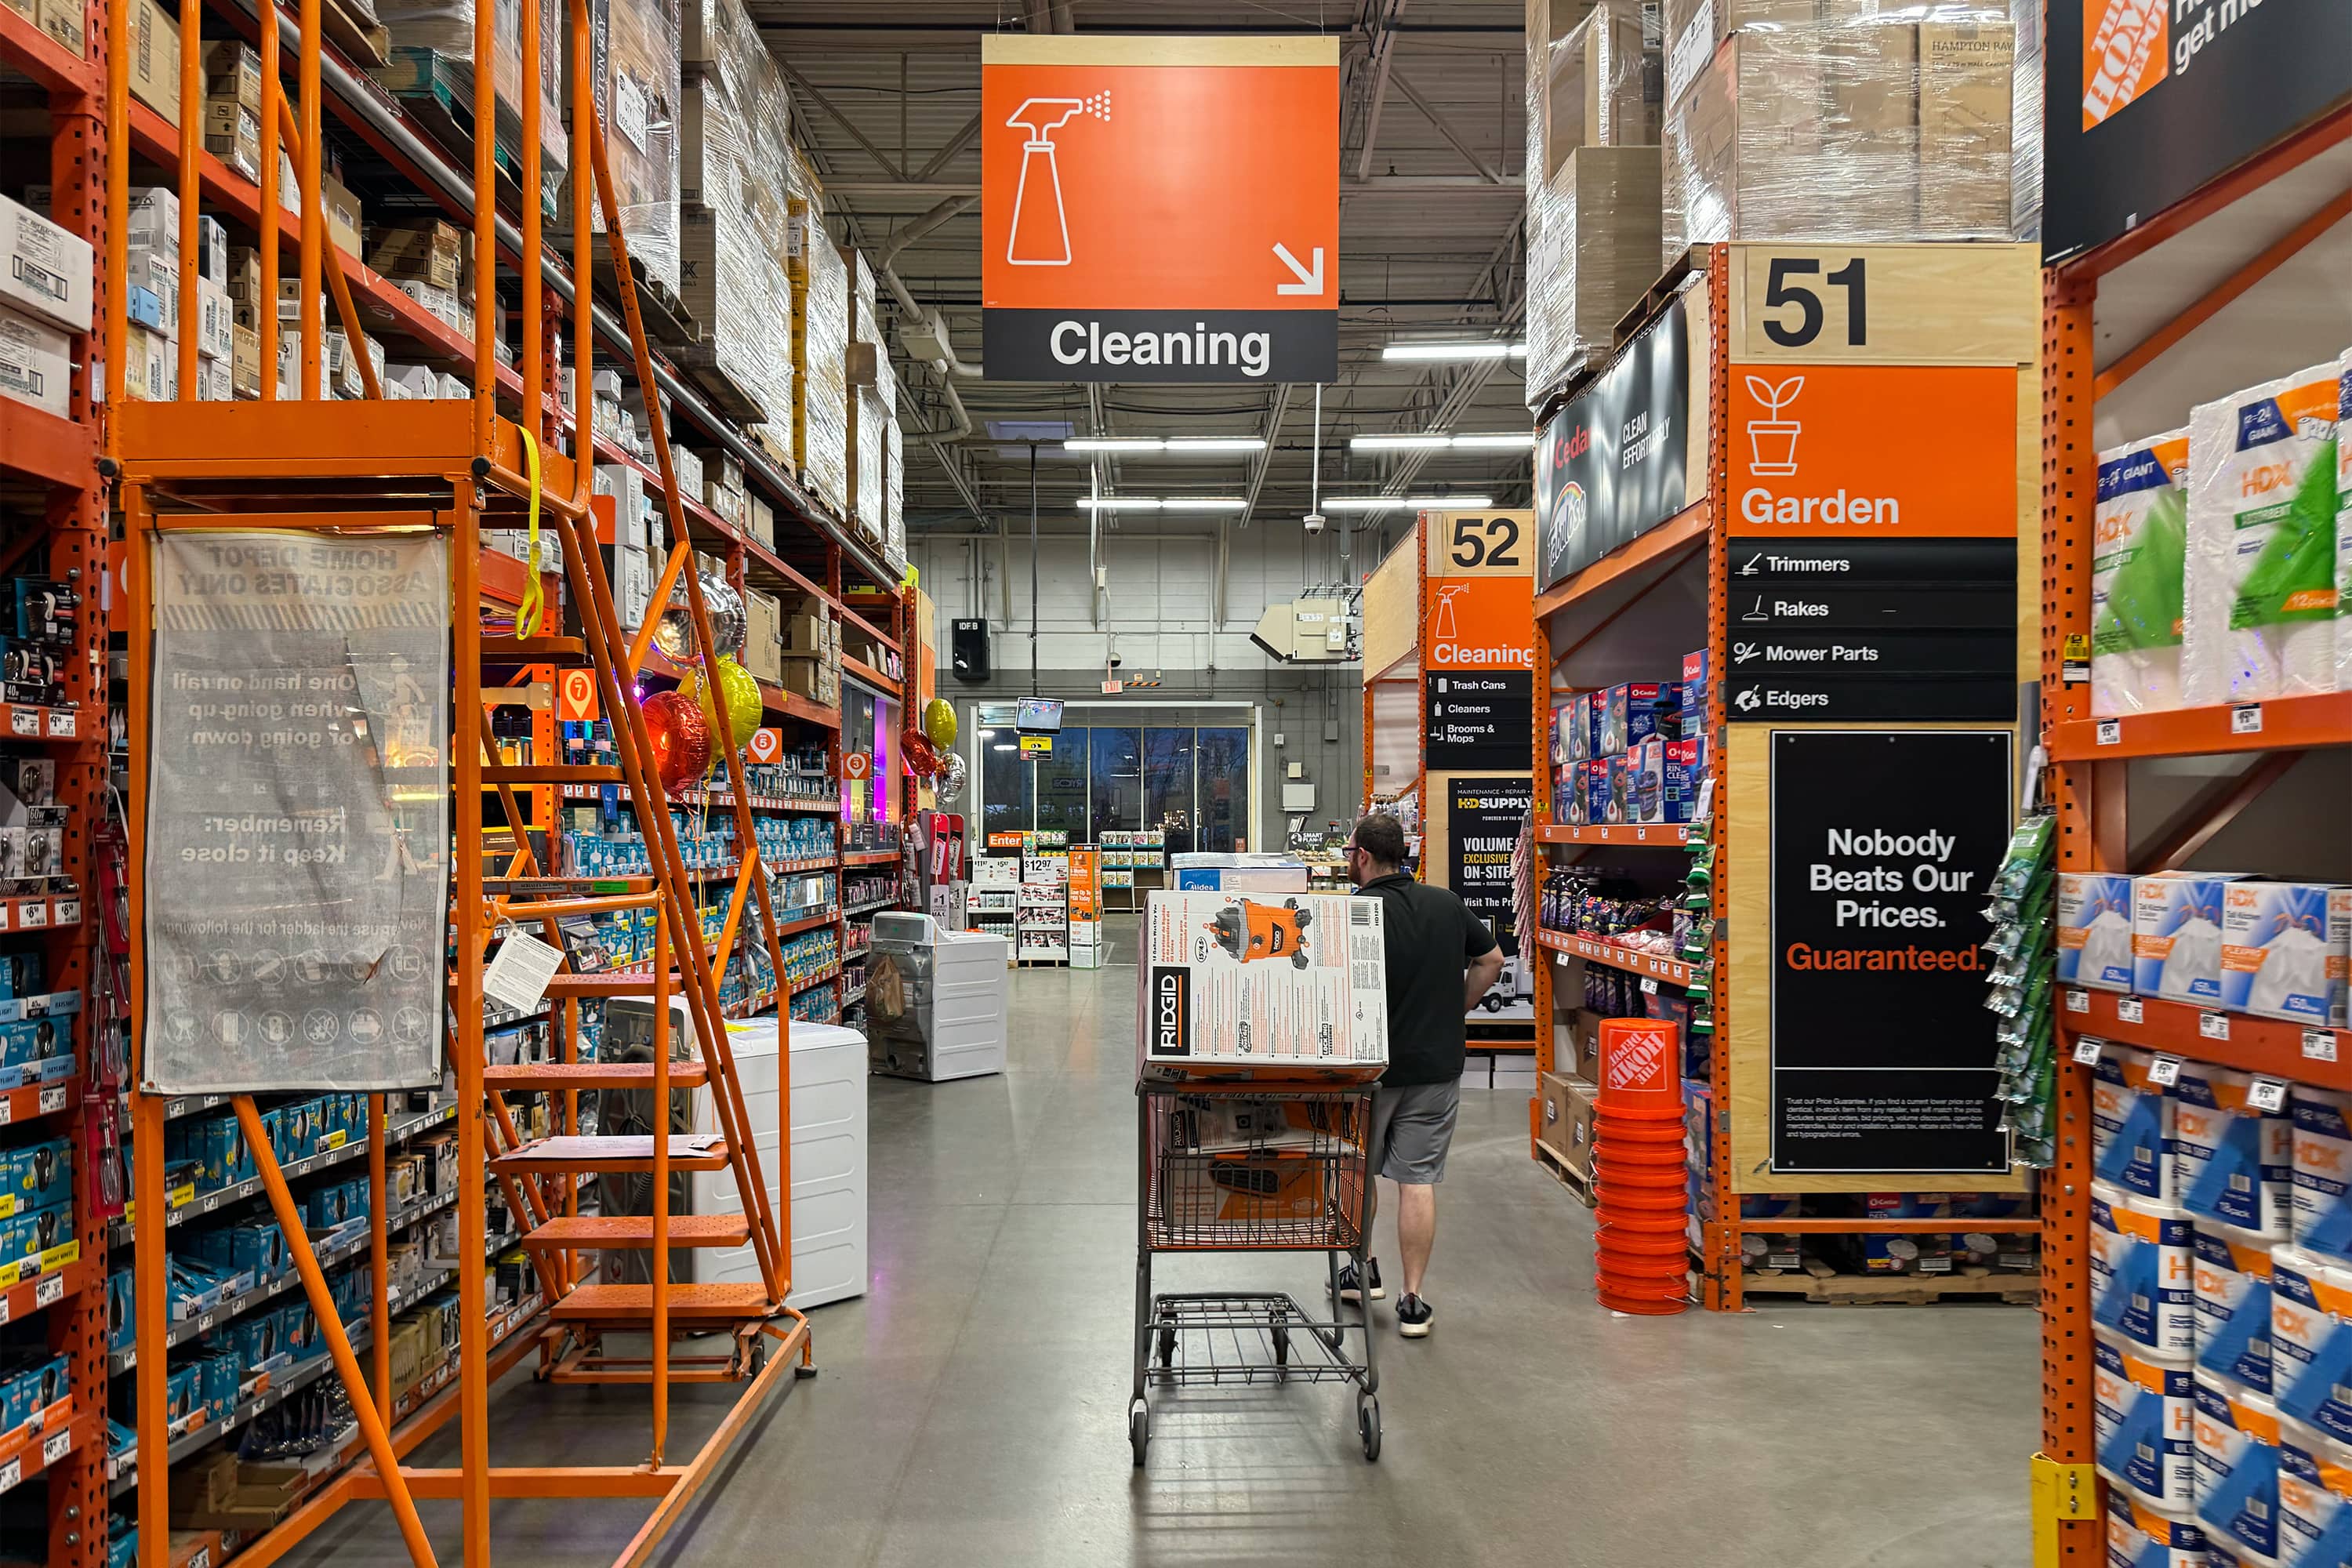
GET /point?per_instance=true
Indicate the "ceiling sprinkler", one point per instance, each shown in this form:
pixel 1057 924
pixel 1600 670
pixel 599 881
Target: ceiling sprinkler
pixel 1041 233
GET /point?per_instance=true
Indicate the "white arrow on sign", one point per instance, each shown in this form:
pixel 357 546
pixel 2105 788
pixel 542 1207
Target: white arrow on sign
pixel 1310 282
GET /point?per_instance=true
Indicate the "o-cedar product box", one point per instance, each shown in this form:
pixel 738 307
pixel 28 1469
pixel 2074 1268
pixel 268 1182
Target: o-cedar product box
pixel 1262 988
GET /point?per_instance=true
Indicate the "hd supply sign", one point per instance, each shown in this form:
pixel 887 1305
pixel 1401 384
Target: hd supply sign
pixel 1160 209
pixel 2167 94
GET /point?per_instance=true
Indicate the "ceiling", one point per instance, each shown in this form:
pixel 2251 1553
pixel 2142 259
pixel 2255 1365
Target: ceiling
pixel 885 99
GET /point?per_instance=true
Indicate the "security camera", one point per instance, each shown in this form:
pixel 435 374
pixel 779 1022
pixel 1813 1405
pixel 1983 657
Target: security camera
pixel 1314 521
pixel 1116 661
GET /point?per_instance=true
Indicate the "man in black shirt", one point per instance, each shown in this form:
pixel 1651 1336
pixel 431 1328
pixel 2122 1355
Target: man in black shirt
pixel 1441 960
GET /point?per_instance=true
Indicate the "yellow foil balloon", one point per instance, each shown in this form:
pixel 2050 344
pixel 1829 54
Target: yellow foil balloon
pixel 940 723
pixel 740 692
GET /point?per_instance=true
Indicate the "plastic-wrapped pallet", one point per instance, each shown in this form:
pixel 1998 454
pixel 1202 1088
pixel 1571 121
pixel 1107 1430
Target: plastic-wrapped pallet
pixel 866 442
pixel 2258 611
pixel 821 325
pixel 430 34
pixel 728 275
pixel 638 91
pixel 2025 133
pixel 894 472
pixel 1863 127
pixel 2136 571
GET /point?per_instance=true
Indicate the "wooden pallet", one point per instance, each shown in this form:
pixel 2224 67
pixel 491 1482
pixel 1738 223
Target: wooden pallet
pixel 699 363
pixel 354 30
pixel 1578 1185
pixel 668 320
pixel 1694 260
pixel 1818 1282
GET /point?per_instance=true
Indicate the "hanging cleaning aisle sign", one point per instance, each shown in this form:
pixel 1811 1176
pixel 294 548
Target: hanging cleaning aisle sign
pixel 1160 209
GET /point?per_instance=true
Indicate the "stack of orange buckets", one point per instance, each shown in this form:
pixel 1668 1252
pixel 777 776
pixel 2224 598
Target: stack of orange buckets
pixel 1638 1170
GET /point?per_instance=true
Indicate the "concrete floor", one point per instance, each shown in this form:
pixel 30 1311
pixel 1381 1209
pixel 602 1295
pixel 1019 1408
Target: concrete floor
pixel 973 1408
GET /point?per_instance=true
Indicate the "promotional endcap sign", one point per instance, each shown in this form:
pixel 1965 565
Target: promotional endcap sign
pixel 1160 208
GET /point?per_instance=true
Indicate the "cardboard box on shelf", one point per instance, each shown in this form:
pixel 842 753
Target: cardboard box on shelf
pixel 1567 1122
pixel 155 59
pixel 1244 988
pixel 214 326
pixel 342 214
pixel 1966 159
pixel 763 653
pixel 35 366
pixel 45 271
pixel 150 367
pixel 429 249
pixel 245 361
pixel 1603 84
pixel 233 71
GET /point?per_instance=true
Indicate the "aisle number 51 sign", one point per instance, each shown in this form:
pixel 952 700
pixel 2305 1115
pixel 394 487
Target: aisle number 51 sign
pixel 1886 304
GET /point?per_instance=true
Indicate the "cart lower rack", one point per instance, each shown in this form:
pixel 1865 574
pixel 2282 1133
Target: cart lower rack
pixel 1249 1168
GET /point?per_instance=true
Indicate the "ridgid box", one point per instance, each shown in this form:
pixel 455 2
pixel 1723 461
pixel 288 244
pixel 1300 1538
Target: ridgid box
pixel 1290 987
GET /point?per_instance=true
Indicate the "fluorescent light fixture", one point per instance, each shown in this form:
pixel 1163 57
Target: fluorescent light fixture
pixel 1157 503
pixel 1487 348
pixel 1178 444
pixel 1417 503
pixel 1500 442
pixel 1400 443
pixel 1175 445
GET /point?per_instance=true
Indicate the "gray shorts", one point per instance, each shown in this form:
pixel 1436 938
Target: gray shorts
pixel 1412 1127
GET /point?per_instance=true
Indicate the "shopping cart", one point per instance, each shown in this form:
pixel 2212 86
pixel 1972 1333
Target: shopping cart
pixel 1251 1169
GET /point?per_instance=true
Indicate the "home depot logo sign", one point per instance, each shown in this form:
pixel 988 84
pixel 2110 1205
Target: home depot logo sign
pixel 1640 1059
pixel 2125 45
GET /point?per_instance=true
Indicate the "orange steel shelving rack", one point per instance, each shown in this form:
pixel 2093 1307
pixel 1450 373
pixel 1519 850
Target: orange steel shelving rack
pixel 49 466
pixel 365 465
pixel 2089 781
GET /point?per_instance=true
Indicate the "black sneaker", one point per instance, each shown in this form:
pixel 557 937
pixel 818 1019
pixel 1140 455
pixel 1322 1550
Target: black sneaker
pixel 1352 1289
pixel 1413 1316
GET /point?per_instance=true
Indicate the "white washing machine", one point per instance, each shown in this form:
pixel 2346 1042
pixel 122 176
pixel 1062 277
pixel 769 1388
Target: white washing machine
pixel 829 1125
pixel 937 1004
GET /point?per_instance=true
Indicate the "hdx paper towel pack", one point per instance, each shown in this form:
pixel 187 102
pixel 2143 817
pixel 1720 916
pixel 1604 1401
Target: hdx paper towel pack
pixel 2314 1478
pixel 2143 1282
pixel 2258 613
pixel 2144 1425
pixel 2140 1536
pixel 2236 1163
pixel 2232 1285
pixel 2322 1171
pixel 2132 1126
pixel 2095 930
pixel 2311 1341
pixel 2237 1442
pixel 2139 533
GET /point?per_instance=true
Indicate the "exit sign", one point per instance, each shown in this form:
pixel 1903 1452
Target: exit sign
pixel 1113 688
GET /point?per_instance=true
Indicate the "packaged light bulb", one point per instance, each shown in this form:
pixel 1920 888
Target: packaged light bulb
pixel 2143 1424
pixel 2139 532
pixel 2311 1341
pixel 2141 1537
pixel 2177 935
pixel 2142 1277
pixel 2235 1161
pixel 2231 1282
pixel 2280 957
pixel 2236 1435
pixel 2258 614
pixel 2132 1126
pixel 2095 930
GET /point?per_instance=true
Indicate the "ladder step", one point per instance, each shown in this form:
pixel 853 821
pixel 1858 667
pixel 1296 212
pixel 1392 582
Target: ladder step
pixel 637 1231
pixel 619 1154
pixel 688 1074
pixel 733 1302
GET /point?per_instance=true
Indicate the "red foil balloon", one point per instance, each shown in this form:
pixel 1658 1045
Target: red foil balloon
pixel 681 739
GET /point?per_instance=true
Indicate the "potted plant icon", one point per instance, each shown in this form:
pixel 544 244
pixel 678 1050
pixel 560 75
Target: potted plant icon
pixel 1772 440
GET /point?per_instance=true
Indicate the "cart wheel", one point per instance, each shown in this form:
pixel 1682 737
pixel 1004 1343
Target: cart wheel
pixel 1139 1430
pixel 1167 1347
pixel 1368 1426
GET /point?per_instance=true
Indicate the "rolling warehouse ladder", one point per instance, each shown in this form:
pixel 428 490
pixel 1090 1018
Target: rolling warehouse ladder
pixel 345 471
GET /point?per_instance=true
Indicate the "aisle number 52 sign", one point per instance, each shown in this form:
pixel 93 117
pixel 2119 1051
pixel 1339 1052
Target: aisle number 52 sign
pixel 1884 304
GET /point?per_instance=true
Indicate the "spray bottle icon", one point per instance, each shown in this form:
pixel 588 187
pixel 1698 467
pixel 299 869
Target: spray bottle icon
pixel 1445 597
pixel 1041 233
